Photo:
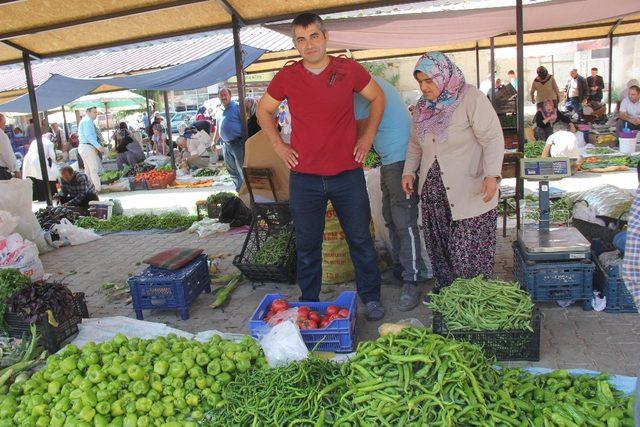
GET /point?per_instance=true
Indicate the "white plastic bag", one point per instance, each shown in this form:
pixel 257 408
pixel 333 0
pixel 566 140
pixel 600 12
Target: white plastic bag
pixel 283 344
pixel 15 198
pixel 75 235
pixel 8 223
pixel 208 227
pixel 15 252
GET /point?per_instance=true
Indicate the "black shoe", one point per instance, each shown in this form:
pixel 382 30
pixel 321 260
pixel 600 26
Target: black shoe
pixel 410 297
pixel 373 311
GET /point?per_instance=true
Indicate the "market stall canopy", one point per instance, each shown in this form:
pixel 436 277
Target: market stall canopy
pixel 48 29
pixel 390 36
pixel 207 71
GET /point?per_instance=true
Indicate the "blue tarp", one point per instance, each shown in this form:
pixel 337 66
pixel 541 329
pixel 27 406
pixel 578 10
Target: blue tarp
pixel 209 70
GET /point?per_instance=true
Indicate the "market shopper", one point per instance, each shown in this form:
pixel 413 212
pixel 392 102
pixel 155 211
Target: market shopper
pixel 544 87
pixel 400 213
pixel 229 130
pixel 76 188
pixel 31 167
pixel 251 106
pixel 8 164
pixel 576 91
pixel 458 147
pixel 158 136
pixel 596 85
pixel 129 151
pixel 89 148
pixel 194 153
pixel 326 156
pixel 629 115
pixel 547 116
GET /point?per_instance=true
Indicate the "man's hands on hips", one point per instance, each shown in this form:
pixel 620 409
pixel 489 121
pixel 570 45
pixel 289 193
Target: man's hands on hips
pixel 363 145
pixel 288 155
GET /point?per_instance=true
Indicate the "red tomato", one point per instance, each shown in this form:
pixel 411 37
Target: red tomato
pixel 279 305
pixel 343 312
pixel 312 325
pixel 303 323
pixel 332 309
pixel 313 315
pixel 324 324
pixel 303 311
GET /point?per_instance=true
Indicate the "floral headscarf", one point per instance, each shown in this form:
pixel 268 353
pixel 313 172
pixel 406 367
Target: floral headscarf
pixel 434 116
pixel 553 115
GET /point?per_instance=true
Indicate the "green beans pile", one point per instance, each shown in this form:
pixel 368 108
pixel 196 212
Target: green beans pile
pixel 168 221
pixel 417 378
pixel 560 399
pixel 483 305
pixel 372 160
pixel 533 149
pixel 273 249
pixel 302 393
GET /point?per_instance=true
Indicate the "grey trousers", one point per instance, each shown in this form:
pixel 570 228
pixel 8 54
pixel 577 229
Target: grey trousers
pixel 401 218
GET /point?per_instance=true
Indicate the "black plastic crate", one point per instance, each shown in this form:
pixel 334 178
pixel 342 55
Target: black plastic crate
pixel 609 281
pixel 139 185
pixel 80 305
pixel 554 280
pixel 504 345
pixel 593 231
pixel 269 220
pixel 51 338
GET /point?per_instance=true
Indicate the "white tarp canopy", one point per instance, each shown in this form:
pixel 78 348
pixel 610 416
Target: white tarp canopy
pixel 454 27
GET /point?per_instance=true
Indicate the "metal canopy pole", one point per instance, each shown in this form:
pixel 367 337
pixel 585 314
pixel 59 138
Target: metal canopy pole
pixel 477 66
pixel 26 59
pixel 146 97
pixel 237 49
pixel 166 113
pixel 64 122
pixel 520 109
pixel 611 31
pixel 492 65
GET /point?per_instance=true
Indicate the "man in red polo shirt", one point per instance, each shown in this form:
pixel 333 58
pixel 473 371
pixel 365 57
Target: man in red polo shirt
pixel 326 155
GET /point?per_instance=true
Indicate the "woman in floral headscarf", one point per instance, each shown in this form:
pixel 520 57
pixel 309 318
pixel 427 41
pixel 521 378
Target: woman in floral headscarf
pixel 547 116
pixel 458 146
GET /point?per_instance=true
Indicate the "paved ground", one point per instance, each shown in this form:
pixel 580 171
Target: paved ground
pixel 571 338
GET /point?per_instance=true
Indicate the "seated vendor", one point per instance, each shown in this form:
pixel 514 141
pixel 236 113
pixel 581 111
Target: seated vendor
pixel 195 150
pixel 563 143
pixel 593 110
pixel 545 119
pixel 629 115
pixel 77 189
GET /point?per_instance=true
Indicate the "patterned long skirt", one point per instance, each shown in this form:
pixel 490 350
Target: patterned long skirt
pixel 464 248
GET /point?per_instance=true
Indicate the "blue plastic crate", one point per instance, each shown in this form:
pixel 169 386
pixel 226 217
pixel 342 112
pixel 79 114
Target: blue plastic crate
pixel 338 337
pixel 161 288
pixel 554 281
pixel 610 282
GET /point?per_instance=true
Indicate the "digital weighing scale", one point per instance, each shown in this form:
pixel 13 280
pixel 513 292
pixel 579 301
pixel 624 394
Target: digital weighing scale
pixel 545 243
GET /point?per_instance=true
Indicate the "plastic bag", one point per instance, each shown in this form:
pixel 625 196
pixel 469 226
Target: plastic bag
pixel 8 223
pixel 395 327
pixel 75 235
pixel 208 227
pixel 15 198
pixel 157 161
pixel 283 344
pixel 606 200
pixel 15 252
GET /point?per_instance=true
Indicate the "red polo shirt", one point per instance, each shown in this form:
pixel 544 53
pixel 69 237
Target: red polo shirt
pixel 323 124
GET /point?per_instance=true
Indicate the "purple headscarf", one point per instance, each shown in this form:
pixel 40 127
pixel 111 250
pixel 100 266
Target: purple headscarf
pixel 434 116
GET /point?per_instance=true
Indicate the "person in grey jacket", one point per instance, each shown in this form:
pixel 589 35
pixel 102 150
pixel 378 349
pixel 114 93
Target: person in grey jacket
pixel 577 90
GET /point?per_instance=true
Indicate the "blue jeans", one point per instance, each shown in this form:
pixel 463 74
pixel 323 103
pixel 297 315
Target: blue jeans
pixel 574 105
pixel 348 194
pixel 233 159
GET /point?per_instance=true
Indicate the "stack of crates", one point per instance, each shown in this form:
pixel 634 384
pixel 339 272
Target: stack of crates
pixel 554 280
pixel 159 288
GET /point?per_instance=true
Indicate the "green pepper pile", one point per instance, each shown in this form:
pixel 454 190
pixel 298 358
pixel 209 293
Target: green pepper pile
pixel 168 381
pixel 109 176
pixel 220 198
pixel 168 221
pixel 533 149
pixel 273 249
pixel 205 172
pixel 301 393
pixel 483 305
pixel 11 280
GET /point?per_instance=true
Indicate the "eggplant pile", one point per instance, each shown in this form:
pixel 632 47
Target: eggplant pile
pixel 50 216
